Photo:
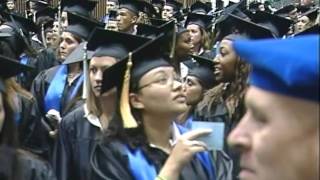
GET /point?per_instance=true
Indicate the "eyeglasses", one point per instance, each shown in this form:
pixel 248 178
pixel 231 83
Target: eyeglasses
pixel 164 80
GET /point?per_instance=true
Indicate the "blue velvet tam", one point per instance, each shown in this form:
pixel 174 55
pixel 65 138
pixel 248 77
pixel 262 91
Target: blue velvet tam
pixel 286 66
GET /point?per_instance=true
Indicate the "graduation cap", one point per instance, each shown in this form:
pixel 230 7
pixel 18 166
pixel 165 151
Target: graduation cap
pixel 174 4
pixel 200 7
pixel 251 29
pixel 311 30
pixel 285 11
pixel 113 44
pixel 204 21
pixel 81 25
pixel 157 22
pixel 203 69
pixel 127 73
pixel 278 25
pixel 18 22
pixel 285 66
pixel 148 31
pixel 303 8
pixel 81 7
pixel 11 67
pixel 158 3
pixel 41 3
pixel 48 11
pixel 235 9
pixel 148 9
pixel 132 5
pixel 311 14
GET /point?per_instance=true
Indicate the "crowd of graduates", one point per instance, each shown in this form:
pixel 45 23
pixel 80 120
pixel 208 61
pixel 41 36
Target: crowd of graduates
pixel 116 97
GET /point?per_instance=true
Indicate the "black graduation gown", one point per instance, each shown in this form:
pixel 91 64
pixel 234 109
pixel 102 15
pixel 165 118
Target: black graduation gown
pixel 41 84
pixel 110 161
pixel 76 140
pixel 23 165
pixel 43 143
pixel 44 59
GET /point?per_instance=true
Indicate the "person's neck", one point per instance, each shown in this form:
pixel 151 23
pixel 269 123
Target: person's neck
pixel 107 104
pixel 130 30
pixel 74 68
pixel 185 115
pixel 197 49
pixel 158 130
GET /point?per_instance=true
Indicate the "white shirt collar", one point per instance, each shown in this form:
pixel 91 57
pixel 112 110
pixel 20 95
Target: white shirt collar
pixel 93 119
pixel 175 135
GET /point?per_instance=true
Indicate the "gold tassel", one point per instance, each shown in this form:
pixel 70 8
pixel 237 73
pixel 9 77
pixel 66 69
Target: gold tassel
pixel 125 110
pixel 174 38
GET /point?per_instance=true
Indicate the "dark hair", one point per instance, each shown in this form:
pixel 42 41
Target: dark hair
pixel 8 133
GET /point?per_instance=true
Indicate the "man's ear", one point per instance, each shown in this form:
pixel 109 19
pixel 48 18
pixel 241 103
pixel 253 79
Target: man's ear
pixel 135 101
pixel 134 19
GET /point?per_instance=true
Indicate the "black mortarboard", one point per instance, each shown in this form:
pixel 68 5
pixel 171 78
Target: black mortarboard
pixel 40 2
pixel 311 30
pixel 203 69
pixel 200 7
pixel 10 67
pixel 82 7
pixel 157 22
pixel 19 22
pixel 235 9
pixel 251 29
pixel 158 3
pixel 148 31
pixel 48 11
pixel 278 25
pixel 174 4
pixel 81 25
pixel 126 74
pixel 132 5
pixel 311 14
pixel 303 8
pixel 284 11
pixel 113 44
pixel 148 9
pixel 204 21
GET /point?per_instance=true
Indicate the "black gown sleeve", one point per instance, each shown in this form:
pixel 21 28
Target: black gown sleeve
pixel 30 167
pixel 63 149
pixel 110 163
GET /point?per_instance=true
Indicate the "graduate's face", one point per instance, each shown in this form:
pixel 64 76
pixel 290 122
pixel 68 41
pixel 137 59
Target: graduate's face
pixel 126 20
pixel 226 62
pixel 278 137
pixel 111 6
pixel 302 24
pixel 67 45
pixel 10 5
pixel 96 68
pixel 167 12
pixel 184 45
pixel 194 90
pixel 64 20
pixel 161 93
pixel 112 25
pixel 2 113
pixel 195 34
